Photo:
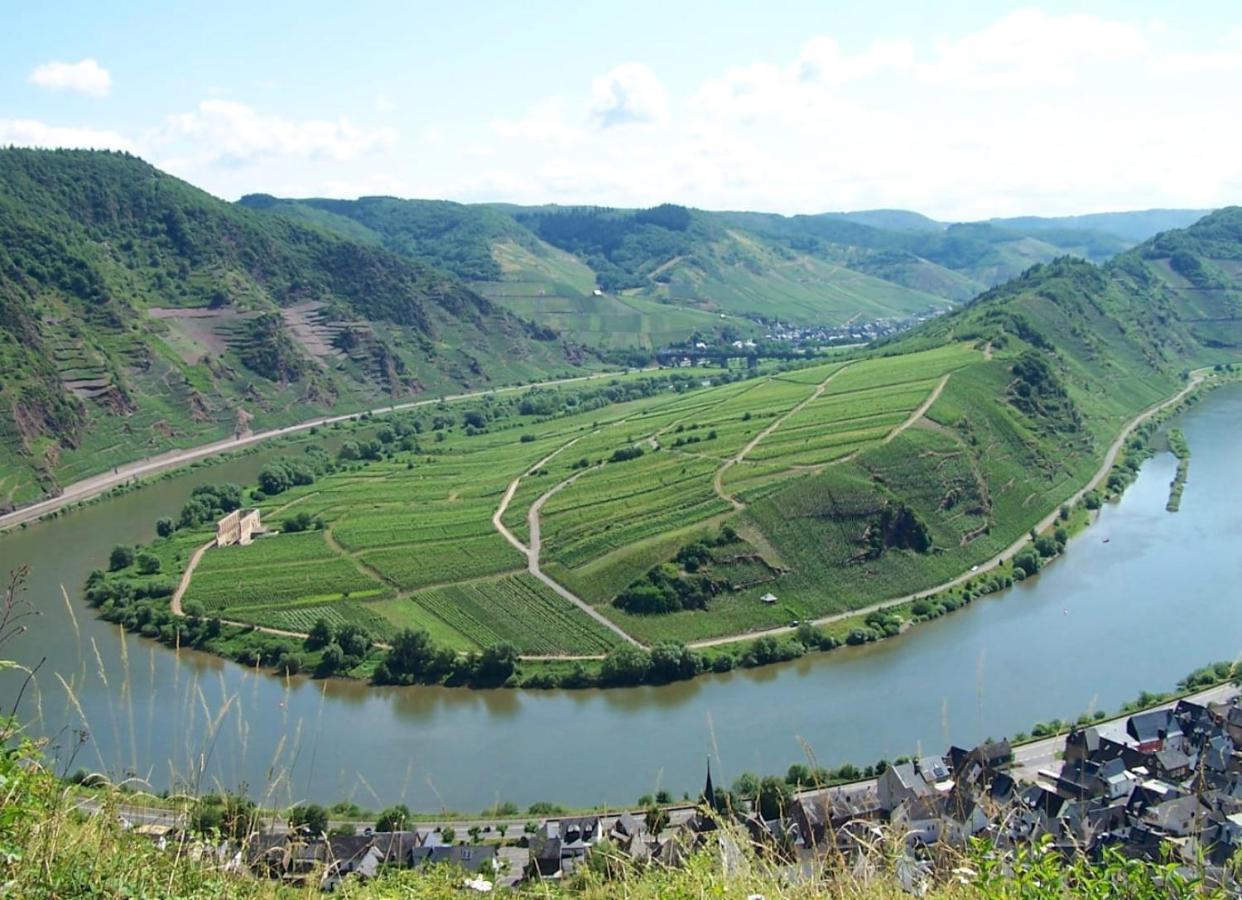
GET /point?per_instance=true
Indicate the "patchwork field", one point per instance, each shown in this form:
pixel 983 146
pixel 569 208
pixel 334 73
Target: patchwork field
pixel 835 485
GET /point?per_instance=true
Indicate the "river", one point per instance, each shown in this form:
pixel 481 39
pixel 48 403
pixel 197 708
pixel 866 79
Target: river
pixel 1139 611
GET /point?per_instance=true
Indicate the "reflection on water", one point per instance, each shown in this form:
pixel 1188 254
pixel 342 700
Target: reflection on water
pixel 1159 599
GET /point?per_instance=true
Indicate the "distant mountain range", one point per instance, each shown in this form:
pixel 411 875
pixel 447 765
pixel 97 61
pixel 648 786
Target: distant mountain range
pixel 669 268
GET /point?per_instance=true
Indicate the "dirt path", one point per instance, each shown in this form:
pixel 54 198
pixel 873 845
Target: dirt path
pixel 1046 522
pixel 921 411
pixel 718 478
pixel 532 555
pixel 512 489
pixel 184 584
pixel 98 484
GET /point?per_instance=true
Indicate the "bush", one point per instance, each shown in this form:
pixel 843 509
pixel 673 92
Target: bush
pixel 622 454
pixel 395 818
pixel 165 527
pixel 121 558
pixel 299 522
pixel 312 817
pixel 148 563
pixel 1027 562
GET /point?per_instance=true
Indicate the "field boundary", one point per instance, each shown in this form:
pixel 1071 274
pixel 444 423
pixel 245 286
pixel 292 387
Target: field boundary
pixel 94 485
pixel 718 478
pixel 1110 458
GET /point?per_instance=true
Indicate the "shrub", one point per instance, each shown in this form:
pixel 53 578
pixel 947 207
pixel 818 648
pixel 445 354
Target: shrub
pixel 121 558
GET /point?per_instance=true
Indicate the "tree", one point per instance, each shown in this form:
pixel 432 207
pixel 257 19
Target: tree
pixel 274 479
pixel 395 818
pixel 298 522
pixel 234 816
pixel 1027 561
pixel 498 662
pixel 165 526
pixel 774 797
pixel 656 819
pixel 799 775
pixel 332 660
pixel 311 816
pixel 746 786
pixel 625 665
pixel 320 635
pixel 410 654
pixel 354 640
pixel 122 558
pixel 447 834
pixel 1046 546
pixel 148 563
pixel 475 833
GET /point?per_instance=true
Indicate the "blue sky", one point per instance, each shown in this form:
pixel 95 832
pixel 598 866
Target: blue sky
pixel 959 110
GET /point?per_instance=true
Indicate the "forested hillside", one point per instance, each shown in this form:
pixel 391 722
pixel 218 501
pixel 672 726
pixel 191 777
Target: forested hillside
pixel 138 313
pixel 667 272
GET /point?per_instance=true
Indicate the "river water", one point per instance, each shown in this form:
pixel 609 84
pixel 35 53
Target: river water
pixel 1139 611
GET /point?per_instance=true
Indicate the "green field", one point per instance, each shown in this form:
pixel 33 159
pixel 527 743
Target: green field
pixel 408 539
pixel 835 486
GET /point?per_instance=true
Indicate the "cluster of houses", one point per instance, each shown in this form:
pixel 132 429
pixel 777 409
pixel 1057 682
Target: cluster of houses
pixel 1160 783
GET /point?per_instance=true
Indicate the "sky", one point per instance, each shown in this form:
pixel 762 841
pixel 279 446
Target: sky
pixel 959 110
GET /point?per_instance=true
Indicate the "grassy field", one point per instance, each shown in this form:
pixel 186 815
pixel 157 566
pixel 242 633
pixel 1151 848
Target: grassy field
pixel 801 463
pixel 844 483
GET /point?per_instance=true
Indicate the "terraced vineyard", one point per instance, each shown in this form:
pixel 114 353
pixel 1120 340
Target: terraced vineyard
pixel 408 539
pixel 834 486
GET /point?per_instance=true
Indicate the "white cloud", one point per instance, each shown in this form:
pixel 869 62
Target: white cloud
pixel 85 77
pixel 823 60
pixel 545 122
pixel 1031 113
pixel 628 93
pixel 1031 47
pixel 32 133
pixel 225 131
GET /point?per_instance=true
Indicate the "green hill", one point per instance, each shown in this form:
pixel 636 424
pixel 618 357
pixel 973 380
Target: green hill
pixel 666 272
pixel 1138 225
pixel 667 511
pixel 138 313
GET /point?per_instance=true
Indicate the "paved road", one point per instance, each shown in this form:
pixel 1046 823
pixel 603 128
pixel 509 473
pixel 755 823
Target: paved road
pixel 98 484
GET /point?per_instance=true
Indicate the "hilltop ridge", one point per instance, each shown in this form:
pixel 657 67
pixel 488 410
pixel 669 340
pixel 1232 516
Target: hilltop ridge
pixel 139 313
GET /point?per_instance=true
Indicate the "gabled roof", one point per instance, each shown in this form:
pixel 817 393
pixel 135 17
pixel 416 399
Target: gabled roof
pixel 472 858
pixel 1148 726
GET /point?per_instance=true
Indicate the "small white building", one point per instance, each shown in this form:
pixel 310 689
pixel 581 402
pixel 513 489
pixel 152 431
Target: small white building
pixel 768 598
pixel 238 528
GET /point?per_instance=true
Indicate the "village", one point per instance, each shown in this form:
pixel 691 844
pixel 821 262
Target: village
pixel 1160 784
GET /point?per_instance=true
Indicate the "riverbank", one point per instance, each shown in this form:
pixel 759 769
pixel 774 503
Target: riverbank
pixel 1144 578
pixel 1180 449
pixel 132 473
pixel 1031 751
pixel 290 652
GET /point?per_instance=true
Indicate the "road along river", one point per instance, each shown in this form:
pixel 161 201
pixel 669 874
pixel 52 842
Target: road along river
pixel 1160 597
